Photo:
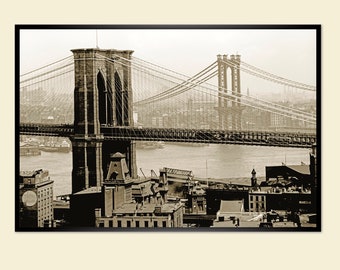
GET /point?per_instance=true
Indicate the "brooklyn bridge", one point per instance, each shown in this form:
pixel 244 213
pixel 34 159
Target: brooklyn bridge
pixel 111 99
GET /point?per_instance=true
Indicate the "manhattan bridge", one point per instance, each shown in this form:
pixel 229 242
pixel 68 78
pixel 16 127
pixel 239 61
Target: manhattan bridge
pixel 106 100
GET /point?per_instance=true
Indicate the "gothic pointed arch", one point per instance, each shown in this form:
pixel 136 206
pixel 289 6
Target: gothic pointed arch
pixel 119 99
pixel 105 100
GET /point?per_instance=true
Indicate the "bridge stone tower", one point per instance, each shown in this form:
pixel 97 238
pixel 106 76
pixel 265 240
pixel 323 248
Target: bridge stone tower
pixel 229 108
pixel 102 97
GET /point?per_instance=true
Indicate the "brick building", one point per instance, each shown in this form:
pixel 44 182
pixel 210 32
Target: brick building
pixel 148 215
pixel 126 202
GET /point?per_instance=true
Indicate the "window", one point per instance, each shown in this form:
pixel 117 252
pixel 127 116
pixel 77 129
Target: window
pixel 164 224
pixel 119 223
pixel 146 224
pixel 155 224
pixel 128 223
pixel 110 223
pixel 137 224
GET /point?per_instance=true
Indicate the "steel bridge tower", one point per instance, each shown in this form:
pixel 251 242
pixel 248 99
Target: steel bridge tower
pixel 229 107
pixel 102 97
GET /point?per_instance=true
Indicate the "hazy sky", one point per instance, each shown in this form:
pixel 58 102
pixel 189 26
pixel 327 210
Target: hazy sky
pixel 287 53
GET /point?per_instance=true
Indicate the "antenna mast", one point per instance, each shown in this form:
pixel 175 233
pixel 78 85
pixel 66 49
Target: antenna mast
pixel 97 39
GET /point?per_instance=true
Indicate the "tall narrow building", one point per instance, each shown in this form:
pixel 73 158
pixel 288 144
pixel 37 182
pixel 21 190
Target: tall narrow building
pixel 35 199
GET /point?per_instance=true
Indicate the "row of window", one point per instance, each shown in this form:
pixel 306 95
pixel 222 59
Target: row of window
pixel 45 192
pixel 257 198
pixel 260 206
pixel 137 224
pixel 42 220
pixel 44 202
pixel 45 211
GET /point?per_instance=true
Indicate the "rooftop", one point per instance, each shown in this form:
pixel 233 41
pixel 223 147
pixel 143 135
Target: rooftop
pixel 32 173
pixel 231 206
pixel 34 177
pixel 248 220
pixel 146 208
pixel 118 155
pixel 302 169
pixel 89 190
pixel 254 219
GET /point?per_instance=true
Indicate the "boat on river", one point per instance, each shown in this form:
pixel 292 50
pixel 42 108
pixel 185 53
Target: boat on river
pixel 149 145
pixel 29 150
pixel 63 147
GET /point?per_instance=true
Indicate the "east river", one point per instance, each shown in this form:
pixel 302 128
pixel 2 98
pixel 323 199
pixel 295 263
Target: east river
pixel 213 161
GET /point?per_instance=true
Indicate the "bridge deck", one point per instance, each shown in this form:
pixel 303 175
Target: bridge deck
pixel 263 138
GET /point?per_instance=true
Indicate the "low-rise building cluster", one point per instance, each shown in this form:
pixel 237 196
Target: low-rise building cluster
pixel 286 197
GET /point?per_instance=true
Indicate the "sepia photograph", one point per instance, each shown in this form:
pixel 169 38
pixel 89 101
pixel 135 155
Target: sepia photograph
pixel 149 128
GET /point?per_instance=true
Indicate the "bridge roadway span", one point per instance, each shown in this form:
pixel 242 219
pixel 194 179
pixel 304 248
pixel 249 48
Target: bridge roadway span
pixel 264 138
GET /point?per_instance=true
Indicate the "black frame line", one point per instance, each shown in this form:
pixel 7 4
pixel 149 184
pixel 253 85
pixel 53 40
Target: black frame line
pixel 19 27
